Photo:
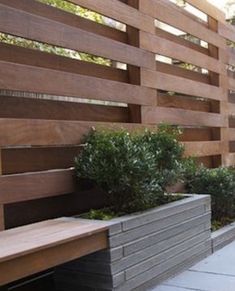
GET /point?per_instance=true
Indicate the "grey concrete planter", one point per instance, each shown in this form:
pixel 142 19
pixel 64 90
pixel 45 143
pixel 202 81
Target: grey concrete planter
pixel 144 248
pixel 223 236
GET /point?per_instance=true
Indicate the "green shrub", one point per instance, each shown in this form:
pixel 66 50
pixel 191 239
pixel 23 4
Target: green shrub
pixel 133 169
pixel 218 182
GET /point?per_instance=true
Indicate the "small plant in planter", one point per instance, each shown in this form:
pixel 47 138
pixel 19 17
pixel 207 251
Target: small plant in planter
pixel 220 184
pixel 133 169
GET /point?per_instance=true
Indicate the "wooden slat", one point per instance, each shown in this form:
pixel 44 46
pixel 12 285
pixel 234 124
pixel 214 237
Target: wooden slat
pixel 172 15
pixel 86 197
pixel 180 40
pixel 232 146
pixel 232 134
pixel 232 121
pixel 231 109
pixel 14 54
pixel 120 12
pixel 231 55
pixel 173 50
pixel 181 117
pixel 181 72
pixel 50 132
pixel 21 107
pixel 29 186
pixel 34 79
pixel 227 31
pixel 231 83
pixel 27 159
pixel 180 85
pixel 196 134
pixel 45 245
pixel 231 97
pixel 67 18
pixel 62 35
pixel 231 74
pixel 208 9
pixel 202 149
pixel 183 102
pixel 230 159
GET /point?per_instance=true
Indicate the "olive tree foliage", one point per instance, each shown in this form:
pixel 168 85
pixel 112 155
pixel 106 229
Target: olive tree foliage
pixel 71 8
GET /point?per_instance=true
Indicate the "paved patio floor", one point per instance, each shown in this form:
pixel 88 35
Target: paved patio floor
pixel 215 273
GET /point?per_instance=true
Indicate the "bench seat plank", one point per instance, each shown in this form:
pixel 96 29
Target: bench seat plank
pixel 33 248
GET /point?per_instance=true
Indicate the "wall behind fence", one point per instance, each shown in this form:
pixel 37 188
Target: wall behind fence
pixel 168 65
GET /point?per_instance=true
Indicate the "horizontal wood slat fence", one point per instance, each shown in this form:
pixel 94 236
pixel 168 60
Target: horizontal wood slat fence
pixel 48 102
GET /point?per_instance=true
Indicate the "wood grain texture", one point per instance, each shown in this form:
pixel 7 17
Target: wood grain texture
pixel 180 40
pixel 49 31
pixel 174 116
pixel 232 134
pixel 197 134
pixel 16 132
pixel 171 14
pixel 85 197
pixel 208 9
pixel 35 185
pixel 70 19
pixel 231 159
pixel 120 12
pixel 20 107
pixel 31 57
pixel 173 50
pixel 231 55
pixel 231 83
pixel 32 159
pixel 183 102
pixel 34 79
pixel 47 244
pixel 182 72
pixel 202 149
pixel 226 31
pixel 180 85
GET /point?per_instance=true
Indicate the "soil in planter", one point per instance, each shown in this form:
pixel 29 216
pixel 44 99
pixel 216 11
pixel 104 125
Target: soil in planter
pixel 108 213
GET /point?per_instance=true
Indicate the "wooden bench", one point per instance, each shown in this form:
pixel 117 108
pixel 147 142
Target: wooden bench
pixel 37 247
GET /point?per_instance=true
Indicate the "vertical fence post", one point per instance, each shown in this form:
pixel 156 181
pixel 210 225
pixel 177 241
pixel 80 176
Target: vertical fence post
pixel 2 222
pixel 221 107
pixel 134 73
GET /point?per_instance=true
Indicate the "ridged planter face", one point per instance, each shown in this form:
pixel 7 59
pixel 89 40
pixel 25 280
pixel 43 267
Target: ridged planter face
pixel 144 248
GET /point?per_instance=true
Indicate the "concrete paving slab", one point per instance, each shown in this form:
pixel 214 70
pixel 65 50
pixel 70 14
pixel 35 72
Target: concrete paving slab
pixel 172 288
pixel 221 262
pixel 203 281
pixel 215 273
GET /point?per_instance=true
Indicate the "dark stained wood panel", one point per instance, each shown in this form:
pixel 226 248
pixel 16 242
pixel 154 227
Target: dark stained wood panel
pixel 29 186
pixel 31 159
pixel 174 50
pixel 155 115
pixel 70 19
pixel 34 79
pixel 49 31
pixel 172 15
pixel 21 107
pixel 10 53
pixel 180 85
